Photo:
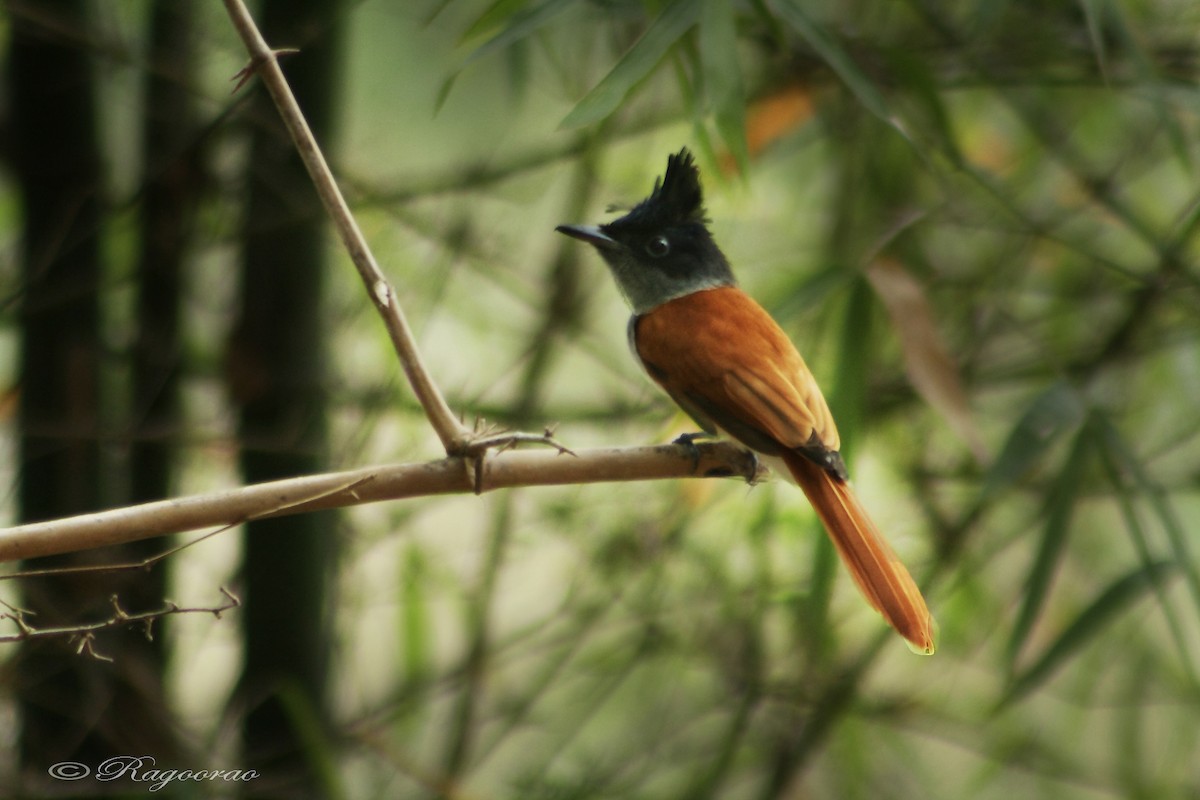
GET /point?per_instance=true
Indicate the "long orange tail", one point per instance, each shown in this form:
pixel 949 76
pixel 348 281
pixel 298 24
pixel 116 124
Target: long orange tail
pixel 879 574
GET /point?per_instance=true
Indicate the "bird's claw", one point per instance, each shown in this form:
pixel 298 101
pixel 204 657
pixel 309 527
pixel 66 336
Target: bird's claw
pixel 688 442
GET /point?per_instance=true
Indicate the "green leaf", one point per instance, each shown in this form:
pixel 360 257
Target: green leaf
pixel 1111 22
pixel 1127 462
pixel 607 96
pixel 522 24
pixel 1093 13
pixel 1059 507
pixel 1054 412
pixel 1094 619
pixel 834 55
pixel 320 752
pixel 817 636
pixel 813 291
pixel 986 14
pixel 494 17
pixel 414 618
pixel 1121 463
pixel 849 395
pixel 723 76
pixel 915 76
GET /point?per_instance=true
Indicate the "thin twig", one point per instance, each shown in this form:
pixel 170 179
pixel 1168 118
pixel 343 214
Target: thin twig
pixel 85 633
pixel 264 62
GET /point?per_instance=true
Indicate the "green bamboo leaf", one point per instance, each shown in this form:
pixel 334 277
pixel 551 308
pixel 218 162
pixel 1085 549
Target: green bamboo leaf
pixel 817 638
pixel 813 291
pixel 414 618
pixel 833 54
pixel 1128 463
pixel 435 11
pixel 1111 21
pixel 1093 620
pixel 1120 464
pixel 915 75
pixel 849 395
pixel 987 13
pixel 1183 230
pixel 675 20
pixel 493 17
pixel 723 75
pixel 1058 511
pixel 320 752
pixel 1093 14
pixel 522 23
pixel 1054 412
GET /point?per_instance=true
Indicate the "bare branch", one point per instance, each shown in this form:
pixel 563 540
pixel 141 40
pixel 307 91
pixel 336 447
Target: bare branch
pixel 502 470
pixel 264 61
pixel 85 634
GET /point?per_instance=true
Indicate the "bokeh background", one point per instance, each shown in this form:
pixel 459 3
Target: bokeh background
pixel 977 220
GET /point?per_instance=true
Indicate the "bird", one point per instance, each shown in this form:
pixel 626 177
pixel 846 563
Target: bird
pixel 723 360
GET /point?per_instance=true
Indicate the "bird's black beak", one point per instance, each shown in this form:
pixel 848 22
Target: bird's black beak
pixel 588 233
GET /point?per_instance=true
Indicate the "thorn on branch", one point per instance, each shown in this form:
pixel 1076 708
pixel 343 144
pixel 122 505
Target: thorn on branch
pixel 119 614
pixel 18 615
pixel 383 293
pixel 247 72
pixel 490 437
pixel 500 439
pixel 232 601
pixel 87 644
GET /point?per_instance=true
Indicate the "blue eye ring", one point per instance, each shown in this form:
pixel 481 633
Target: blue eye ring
pixel 658 246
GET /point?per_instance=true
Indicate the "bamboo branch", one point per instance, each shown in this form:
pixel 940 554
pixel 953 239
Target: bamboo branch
pixel 455 437
pixel 341 489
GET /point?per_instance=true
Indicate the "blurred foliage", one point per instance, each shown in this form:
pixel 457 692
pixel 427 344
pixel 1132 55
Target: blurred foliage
pixel 1027 173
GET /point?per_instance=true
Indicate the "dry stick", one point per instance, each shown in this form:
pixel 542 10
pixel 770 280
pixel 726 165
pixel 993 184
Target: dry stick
pixel 455 437
pixel 119 618
pixel 335 490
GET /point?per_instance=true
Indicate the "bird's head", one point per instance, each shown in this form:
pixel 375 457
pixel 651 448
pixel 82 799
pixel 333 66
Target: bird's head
pixel 661 249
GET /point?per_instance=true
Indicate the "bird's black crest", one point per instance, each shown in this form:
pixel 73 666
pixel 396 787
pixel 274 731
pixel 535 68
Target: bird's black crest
pixel 677 197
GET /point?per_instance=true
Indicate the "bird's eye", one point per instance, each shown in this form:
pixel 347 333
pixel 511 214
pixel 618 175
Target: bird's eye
pixel 658 247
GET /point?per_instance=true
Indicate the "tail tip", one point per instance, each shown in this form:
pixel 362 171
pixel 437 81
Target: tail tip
pixel 923 642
